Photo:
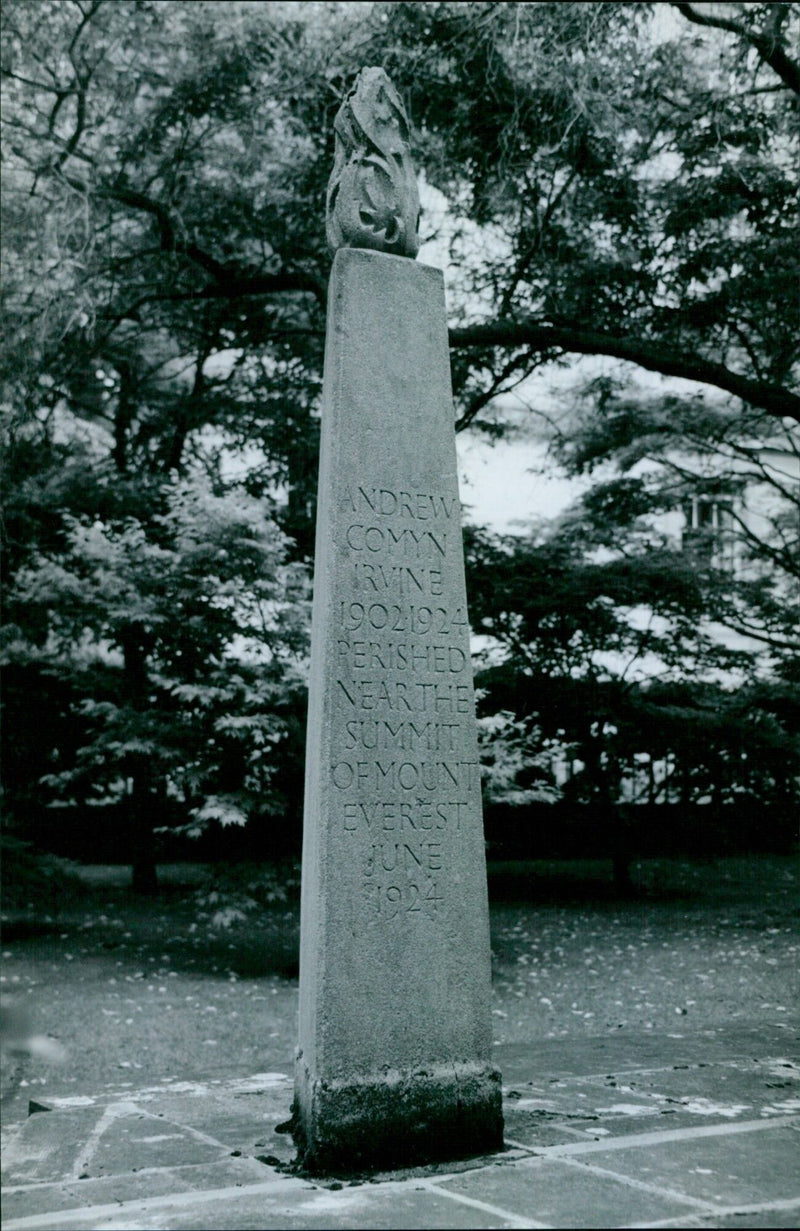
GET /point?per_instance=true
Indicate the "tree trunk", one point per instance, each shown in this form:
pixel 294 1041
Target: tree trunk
pixel 605 780
pixel 621 850
pixel 623 882
pixel 144 878
pixel 141 798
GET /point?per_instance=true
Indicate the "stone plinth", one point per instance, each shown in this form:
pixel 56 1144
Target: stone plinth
pixel 394 1048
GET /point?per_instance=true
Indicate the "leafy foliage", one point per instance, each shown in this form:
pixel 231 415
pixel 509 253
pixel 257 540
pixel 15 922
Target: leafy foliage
pixel 646 669
pixel 237 891
pixel 515 761
pixel 43 884
pixel 183 642
pixel 619 182
pixel 668 455
pixel 629 183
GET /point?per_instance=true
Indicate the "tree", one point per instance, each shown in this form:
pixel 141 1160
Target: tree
pixel 180 645
pixel 689 456
pixel 610 653
pixel 156 175
pixel 124 144
pixel 636 197
pixel 615 188
pixel 636 194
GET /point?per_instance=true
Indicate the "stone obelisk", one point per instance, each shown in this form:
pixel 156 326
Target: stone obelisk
pixel 394 1057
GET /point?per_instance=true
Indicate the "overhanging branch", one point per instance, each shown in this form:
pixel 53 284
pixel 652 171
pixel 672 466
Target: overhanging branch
pixel 766 41
pixel 227 281
pixel 775 399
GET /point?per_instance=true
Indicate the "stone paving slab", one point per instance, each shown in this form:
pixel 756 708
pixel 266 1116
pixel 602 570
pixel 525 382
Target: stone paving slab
pixel 284 1211
pixel 735 1170
pixel 562 1194
pixel 708 1141
pixel 67 1195
pixel 543 1113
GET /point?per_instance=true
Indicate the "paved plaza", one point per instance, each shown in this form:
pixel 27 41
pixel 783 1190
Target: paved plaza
pixel 649 1131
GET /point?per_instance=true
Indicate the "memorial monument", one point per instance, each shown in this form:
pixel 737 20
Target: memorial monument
pixel 394 1056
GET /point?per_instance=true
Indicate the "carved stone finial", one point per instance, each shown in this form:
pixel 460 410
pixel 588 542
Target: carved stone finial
pixel 372 193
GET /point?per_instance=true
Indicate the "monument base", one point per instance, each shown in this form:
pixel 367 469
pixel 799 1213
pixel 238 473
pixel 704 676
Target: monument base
pixel 396 1119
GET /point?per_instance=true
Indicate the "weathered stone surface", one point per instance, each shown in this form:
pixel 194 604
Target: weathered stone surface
pixel 752 1167
pixel 394 1051
pixel 372 193
pixel 736 1172
pixel 558 1195
pixel 399 1118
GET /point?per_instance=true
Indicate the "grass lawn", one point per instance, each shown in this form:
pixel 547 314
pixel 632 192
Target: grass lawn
pixel 140 990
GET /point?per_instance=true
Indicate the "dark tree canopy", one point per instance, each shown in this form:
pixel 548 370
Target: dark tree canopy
pixel 634 177
pixel 621 181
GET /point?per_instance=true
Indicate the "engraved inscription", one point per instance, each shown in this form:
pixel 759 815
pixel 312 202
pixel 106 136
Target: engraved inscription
pixel 401 656
pixel 380 733
pixel 385 502
pixel 404 770
pixel 386 901
pixel 404 696
pixel 386 541
pixel 390 856
pixel 405 814
pixel 374 776
pixel 401 618
pixel 398 579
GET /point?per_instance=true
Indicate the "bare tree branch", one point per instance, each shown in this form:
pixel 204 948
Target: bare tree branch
pixel 228 282
pixel 739 625
pixel 80 121
pixel 85 19
pixel 765 41
pixel 775 399
pixel 496 387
